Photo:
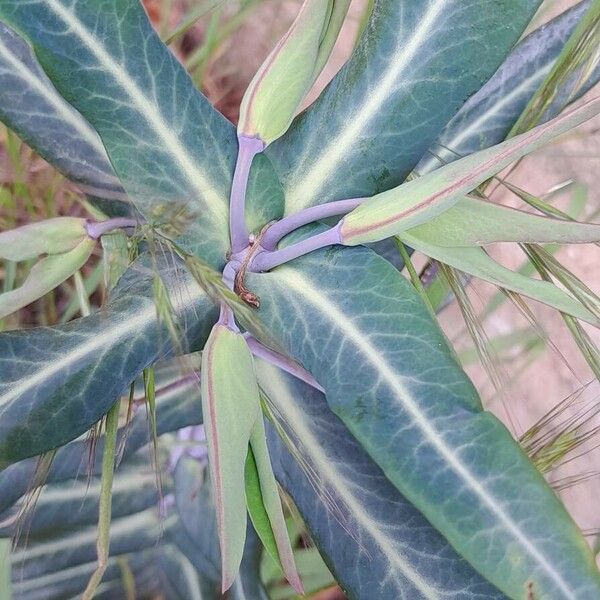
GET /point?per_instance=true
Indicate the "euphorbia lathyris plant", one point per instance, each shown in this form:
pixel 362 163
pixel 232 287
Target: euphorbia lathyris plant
pixel 310 327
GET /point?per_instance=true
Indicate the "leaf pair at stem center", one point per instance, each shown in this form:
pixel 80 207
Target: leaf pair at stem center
pixel 239 460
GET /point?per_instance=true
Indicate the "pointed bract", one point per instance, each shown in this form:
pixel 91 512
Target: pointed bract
pixel 423 199
pixel 264 506
pixel 230 406
pixel 286 76
pixel 477 262
pixel 475 222
pixel 45 275
pixel 53 236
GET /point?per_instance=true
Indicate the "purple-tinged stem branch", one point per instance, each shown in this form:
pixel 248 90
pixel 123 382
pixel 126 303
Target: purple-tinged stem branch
pixel 226 316
pixel 248 148
pixel 97 229
pixel 265 260
pixel 228 276
pixel 281 228
pixel 283 362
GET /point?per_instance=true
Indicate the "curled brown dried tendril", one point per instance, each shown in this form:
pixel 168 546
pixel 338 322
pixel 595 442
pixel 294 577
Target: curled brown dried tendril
pixel 250 298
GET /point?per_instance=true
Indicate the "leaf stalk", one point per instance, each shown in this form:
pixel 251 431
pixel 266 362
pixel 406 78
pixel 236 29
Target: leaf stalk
pixel 97 229
pixel 248 148
pixel 283 227
pixel 266 260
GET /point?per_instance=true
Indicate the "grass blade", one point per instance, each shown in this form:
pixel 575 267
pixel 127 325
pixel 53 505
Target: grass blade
pixel 104 517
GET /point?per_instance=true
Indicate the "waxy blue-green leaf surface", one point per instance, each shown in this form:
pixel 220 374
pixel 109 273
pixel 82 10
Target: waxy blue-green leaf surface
pixel 488 116
pixel 179 578
pixel 147 584
pixel 32 108
pixel 56 382
pixel 178 405
pixel 364 334
pixel 74 503
pixel 416 64
pixel 196 534
pixel 424 198
pixel 133 533
pixel 197 517
pixel 165 141
pixel 374 541
pixel 58 585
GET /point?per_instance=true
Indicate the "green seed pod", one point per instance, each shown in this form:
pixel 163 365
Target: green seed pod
pixel 425 198
pixel 286 76
pixel 45 275
pixel 53 236
pixel 231 406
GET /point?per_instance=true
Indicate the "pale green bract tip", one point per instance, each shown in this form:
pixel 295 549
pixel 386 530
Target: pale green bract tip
pixel 53 236
pixel 284 79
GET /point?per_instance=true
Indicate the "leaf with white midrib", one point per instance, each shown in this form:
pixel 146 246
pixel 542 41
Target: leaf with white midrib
pixel 74 579
pixel 374 541
pixel 488 116
pixel 363 333
pixel 129 534
pixel 180 578
pixel 72 504
pixel 178 405
pixel 165 141
pixel 416 64
pixel 32 107
pixel 56 382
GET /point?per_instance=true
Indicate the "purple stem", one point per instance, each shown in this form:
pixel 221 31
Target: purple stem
pixel 228 275
pixel 248 148
pixel 314 213
pixel 266 260
pixel 226 317
pixel 97 229
pixel 283 362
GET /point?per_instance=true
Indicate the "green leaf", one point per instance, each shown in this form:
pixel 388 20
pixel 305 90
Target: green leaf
pixel 488 116
pixel 68 505
pixel 31 106
pixel 374 541
pixel 276 92
pixel 248 585
pixel 577 60
pixel 264 505
pixel 476 261
pixel 230 406
pixel 382 111
pixel 56 382
pixel 256 509
pixel 361 330
pixel 115 257
pixel 424 198
pixel 147 585
pixel 197 534
pixel 180 579
pixel 170 148
pixel 72 580
pixel 45 275
pixel 474 222
pixel 178 404
pixel 129 534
